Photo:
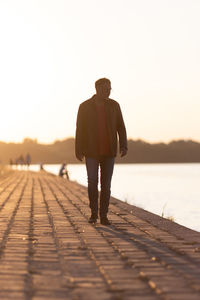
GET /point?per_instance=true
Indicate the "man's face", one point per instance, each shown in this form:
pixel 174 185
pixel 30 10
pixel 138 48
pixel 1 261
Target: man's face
pixel 104 90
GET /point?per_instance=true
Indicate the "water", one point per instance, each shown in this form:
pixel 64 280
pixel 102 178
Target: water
pixel 171 190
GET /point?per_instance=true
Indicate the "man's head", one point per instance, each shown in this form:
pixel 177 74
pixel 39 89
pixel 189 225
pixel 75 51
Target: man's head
pixel 103 87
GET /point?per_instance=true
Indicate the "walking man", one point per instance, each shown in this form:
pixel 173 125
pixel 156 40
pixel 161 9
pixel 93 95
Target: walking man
pixel 99 125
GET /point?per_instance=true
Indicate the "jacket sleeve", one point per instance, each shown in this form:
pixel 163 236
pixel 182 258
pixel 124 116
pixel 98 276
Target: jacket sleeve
pixel 121 129
pixel 79 132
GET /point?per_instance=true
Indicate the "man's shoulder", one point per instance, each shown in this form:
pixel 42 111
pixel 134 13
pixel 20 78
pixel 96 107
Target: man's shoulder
pixel 113 102
pixel 90 101
pixel 87 102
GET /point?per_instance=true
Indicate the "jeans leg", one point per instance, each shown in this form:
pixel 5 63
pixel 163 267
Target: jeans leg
pixel 92 166
pixel 107 166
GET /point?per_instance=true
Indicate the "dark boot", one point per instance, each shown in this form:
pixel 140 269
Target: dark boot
pixel 104 221
pixel 93 218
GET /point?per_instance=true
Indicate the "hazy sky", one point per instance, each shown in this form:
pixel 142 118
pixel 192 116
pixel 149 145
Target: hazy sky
pixel 52 51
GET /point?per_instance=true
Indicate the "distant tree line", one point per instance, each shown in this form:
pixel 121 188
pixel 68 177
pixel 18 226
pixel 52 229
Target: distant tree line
pixel 179 151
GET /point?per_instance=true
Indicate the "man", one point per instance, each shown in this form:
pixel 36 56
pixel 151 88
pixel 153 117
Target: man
pixel 99 121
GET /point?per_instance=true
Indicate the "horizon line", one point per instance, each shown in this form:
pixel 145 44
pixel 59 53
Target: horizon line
pixel 35 140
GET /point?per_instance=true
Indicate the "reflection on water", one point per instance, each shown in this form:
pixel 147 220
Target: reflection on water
pixel 169 189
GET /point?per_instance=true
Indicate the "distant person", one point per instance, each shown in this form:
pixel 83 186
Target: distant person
pixel 63 171
pixel 11 162
pixel 28 160
pixel 99 122
pixel 17 162
pixel 21 160
pixel 41 167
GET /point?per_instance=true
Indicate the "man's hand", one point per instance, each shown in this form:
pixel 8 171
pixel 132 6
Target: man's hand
pixel 80 157
pixel 123 152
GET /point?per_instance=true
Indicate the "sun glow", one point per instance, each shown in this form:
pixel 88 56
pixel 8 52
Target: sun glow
pixel 52 52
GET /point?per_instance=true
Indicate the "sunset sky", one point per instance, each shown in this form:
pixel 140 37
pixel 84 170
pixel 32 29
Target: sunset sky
pixel 52 52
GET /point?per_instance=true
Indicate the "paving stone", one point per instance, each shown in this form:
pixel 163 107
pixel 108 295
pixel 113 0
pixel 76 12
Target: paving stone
pixel 48 250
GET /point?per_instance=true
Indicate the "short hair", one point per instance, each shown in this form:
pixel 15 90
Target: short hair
pixel 102 81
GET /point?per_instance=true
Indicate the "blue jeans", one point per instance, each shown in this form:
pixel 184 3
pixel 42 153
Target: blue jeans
pixel 106 167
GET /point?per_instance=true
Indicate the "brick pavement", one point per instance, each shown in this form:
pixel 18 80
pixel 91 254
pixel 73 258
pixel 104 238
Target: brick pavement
pixel 48 250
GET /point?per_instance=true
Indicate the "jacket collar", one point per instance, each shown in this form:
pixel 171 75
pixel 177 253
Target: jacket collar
pixel 95 96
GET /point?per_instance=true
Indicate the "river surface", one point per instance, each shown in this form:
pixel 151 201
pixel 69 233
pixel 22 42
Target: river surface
pixel 171 190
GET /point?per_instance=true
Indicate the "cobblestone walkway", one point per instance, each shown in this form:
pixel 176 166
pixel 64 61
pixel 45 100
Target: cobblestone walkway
pixel 48 250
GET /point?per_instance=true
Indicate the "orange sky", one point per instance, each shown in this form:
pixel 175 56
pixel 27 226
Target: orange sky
pixel 52 52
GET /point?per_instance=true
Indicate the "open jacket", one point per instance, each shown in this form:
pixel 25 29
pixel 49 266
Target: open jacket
pixel 86 143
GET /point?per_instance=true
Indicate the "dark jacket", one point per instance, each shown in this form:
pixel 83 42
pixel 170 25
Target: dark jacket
pixel 86 143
